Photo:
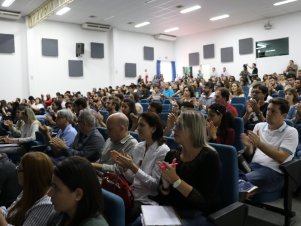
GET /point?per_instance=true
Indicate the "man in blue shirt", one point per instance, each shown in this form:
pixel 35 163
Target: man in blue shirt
pixel 66 131
pixel 167 92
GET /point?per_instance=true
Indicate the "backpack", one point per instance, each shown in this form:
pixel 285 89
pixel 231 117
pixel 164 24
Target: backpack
pixel 118 185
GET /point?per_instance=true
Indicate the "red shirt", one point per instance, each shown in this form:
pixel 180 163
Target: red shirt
pixel 232 109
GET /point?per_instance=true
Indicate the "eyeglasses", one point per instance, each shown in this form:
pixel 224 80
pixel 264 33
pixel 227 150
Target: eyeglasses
pixel 19 168
pixel 256 91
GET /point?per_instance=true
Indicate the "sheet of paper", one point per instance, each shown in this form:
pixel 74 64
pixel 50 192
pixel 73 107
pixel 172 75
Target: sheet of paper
pixel 8 145
pixel 159 215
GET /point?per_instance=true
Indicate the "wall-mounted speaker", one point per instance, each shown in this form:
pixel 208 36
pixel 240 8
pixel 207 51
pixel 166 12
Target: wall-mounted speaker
pixel 80 49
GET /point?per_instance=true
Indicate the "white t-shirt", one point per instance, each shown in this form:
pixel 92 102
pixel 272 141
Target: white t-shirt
pixel 284 138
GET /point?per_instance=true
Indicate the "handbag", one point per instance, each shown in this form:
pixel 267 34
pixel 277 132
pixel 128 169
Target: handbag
pixel 118 185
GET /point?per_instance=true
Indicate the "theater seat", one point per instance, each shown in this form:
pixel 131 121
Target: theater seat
pixel 114 210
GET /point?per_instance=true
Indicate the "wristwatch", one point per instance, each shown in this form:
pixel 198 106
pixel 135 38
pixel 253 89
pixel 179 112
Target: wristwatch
pixel 177 183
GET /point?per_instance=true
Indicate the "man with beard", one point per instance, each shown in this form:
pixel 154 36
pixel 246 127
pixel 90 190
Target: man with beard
pixel 256 107
pixel 207 97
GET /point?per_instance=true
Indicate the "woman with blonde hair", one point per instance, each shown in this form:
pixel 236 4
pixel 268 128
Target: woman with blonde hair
pixel 185 182
pixel 28 130
pixel 33 205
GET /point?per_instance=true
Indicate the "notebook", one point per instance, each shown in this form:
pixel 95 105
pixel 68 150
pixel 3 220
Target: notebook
pixel 159 215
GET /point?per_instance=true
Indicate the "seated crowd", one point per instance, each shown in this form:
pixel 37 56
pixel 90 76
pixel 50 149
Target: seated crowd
pixel 59 186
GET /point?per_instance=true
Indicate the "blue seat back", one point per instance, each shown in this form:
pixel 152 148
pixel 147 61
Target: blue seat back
pixel 103 132
pixel 241 108
pixel 228 189
pixel 114 210
pixel 164 116
pixel 239 129
pixel 170 142
pixel 105 115
pixel 238 100
pixel 145 106
pixel 135 135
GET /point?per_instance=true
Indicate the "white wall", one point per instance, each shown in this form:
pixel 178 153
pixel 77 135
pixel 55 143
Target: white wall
pixel 128 48
pixel 30 73
pixel 51 74
pixel 13 67
pixel 27 72
pixel 283 26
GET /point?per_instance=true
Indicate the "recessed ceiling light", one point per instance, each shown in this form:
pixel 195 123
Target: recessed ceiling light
pixel 62 11
pixel 7 3
pixel 219 17
pixel 171 29
pixel 142 24
pixel 284 2
pixel 190 9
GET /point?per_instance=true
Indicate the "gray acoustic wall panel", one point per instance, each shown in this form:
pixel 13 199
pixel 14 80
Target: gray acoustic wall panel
pixel 130 70
pixel 75 68
pixel 227 54
pixel 7 43
pixel 50 47
pixel 245 46
pixel 148 53
pixel 194 59
pixel 208 51
pixel 97 50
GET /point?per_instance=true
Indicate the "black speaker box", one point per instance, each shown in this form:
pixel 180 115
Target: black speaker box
pixel 80 49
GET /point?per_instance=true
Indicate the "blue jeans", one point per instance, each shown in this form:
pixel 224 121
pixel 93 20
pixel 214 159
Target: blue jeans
pixel 266 179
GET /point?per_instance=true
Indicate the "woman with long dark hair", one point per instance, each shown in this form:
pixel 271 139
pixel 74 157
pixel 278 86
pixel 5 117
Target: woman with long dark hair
pixel 142 170
pixel 220 125
pixel 76 194
pixel 33 205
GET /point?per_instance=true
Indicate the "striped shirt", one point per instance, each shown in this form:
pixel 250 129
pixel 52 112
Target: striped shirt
pixel 38 214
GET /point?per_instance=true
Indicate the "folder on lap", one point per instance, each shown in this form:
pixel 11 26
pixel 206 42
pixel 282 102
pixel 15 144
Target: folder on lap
pixel 159 215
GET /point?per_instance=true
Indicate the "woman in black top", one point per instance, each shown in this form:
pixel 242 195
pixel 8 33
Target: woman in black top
pixel 191 174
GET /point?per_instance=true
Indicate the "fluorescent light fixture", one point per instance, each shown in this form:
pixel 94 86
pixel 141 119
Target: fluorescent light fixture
pixel 270 50
pixel 219 17
pixel 7 3
pixel 171 29
pixel 108 18
pixel 142 24
pixel 190 9
pixel 62 11
pixel 284 2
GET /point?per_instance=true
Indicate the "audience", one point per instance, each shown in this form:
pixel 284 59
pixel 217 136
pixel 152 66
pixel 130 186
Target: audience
pixel 128 108
pixel 272 143
pixel 33 205
pixel 220 125
pixel 9 189
pixel 88 142
pixel 76 195
pixel 142 170
pixel 185 182
pixel 256 107
pixel 28 130
pixel 119 141
pixel 222 96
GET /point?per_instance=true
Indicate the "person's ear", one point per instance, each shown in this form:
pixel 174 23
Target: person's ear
pixel 79 193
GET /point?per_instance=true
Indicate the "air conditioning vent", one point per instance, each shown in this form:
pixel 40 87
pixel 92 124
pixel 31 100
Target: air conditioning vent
pixel 166 37
pixel 10 15
pixel 96 27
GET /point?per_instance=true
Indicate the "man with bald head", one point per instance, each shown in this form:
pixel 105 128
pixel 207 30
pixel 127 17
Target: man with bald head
pixel 119 140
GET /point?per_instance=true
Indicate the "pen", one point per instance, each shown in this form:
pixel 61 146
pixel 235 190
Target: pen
pixel 163 167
